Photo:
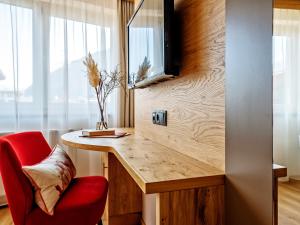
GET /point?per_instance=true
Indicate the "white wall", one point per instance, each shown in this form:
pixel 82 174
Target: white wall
pixel 149 209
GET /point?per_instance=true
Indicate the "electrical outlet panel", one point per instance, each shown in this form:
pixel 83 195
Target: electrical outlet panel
pixel 159 117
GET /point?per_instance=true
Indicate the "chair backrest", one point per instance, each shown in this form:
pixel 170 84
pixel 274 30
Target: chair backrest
pixel 17 150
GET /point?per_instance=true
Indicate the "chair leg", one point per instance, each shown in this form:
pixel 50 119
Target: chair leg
pixel 100 222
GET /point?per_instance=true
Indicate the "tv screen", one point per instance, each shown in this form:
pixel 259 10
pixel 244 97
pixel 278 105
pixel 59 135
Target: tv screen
pixel 150 57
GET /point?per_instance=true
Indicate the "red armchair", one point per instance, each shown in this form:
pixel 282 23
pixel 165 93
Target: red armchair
pixel 82 203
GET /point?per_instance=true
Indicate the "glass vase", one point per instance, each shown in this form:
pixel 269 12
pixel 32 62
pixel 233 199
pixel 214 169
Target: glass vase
pixel 102 123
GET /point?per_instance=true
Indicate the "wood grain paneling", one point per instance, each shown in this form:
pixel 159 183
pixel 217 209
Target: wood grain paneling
pixel 194 100
pixel 124 196
pixel 202 206
pixel 127 219
pixel 287 4
pixel 278 171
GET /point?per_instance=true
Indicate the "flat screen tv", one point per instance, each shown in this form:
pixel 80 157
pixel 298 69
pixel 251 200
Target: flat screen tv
pixel 151 44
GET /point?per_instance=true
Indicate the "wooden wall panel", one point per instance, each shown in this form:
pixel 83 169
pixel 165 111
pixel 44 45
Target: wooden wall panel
pixel 124 196
pixel 203 206
pixel 287 4
pixel 194 100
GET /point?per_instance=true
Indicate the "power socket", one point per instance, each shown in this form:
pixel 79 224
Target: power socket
pixel 159 117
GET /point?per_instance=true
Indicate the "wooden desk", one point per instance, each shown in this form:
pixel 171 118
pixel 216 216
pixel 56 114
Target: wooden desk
pixel 188 191
pixel 278 171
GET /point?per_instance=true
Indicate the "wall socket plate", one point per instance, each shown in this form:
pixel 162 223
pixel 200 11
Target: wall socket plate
pixel 159 117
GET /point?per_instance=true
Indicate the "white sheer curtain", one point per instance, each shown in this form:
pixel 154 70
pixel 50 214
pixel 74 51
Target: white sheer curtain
pixel 43 85
pixel 286 51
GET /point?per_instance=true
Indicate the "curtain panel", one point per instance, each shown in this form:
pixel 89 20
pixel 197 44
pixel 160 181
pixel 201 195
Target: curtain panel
pixel 286 53
pixel 91 11
pixel 44 85
pixel 126 98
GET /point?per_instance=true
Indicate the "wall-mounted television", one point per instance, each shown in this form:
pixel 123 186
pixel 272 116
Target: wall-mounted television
pixel 151 56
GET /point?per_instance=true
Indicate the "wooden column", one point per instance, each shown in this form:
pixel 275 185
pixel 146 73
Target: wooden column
pixel 203 206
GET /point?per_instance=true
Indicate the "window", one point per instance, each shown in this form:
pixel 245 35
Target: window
pixel 15 63
pixel 43 83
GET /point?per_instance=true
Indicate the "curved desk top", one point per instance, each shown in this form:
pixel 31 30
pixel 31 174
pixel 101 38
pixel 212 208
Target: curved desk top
pixel 154 167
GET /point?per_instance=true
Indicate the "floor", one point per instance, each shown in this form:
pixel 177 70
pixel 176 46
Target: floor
pixel 289 206
pixel 289 203
pixel 5 218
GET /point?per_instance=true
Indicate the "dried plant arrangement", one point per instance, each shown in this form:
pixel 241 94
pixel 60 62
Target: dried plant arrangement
pixel 143 69
pixel 103 83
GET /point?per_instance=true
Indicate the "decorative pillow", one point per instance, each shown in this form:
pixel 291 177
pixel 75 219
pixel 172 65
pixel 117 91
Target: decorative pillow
pixel 50 178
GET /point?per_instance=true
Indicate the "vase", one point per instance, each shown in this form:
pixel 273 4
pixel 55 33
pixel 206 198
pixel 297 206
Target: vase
pixel 102 123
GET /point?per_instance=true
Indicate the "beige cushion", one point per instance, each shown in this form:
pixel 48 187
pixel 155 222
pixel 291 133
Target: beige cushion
pixel 50 178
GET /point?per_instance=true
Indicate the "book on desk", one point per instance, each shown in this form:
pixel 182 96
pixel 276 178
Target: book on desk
pixel 110 133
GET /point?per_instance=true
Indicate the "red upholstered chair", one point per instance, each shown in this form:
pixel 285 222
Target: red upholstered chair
pixel 81 204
